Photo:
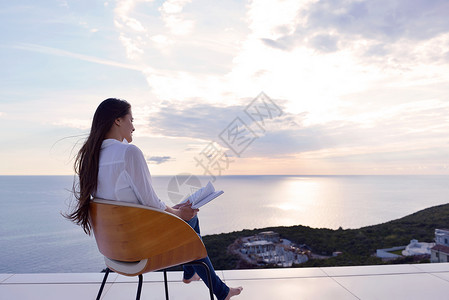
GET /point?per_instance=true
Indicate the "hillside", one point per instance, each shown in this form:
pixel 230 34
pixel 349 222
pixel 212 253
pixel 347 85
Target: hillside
pixel 357 245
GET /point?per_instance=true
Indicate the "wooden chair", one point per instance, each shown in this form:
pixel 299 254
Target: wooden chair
pixel 137 239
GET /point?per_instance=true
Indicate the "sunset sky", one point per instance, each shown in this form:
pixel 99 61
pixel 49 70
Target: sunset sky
pixel 342 86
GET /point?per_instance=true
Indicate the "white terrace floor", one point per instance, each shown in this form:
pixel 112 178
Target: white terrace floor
pixel 418 281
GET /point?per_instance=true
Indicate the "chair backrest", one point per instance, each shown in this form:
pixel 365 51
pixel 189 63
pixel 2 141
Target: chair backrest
pixel 127 232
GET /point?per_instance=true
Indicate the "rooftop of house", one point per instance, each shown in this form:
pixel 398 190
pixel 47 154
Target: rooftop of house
pixel 413 281
pixel 441 248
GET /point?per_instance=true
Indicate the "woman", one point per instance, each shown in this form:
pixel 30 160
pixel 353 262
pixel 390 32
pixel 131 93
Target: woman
pixel 110 168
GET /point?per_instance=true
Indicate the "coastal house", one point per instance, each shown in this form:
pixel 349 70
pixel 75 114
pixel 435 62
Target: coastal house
pixel 440 252
pixel 417 248
pixel 412 249
pixel 268 248
pixel 270 236
pixel 258 247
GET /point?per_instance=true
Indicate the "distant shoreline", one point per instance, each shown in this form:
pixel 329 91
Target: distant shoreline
pixel 357 245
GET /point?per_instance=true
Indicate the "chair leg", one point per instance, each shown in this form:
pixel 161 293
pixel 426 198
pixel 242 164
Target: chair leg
pixel 209 276
pixel 103 283
pixel 166 284
pixel 139 287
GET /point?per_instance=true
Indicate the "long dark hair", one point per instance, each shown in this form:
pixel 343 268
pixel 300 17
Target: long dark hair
pixel 87 160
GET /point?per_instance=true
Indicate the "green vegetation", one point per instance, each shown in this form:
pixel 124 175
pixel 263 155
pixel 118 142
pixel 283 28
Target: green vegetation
pixel 357 245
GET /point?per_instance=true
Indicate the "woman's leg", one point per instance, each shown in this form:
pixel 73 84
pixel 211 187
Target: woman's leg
pixel 188 270
pixel 220 289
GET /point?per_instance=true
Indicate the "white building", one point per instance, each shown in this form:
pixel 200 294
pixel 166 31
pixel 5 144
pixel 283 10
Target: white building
pixel 442 237
pixel 440 252
pixel 417 248
pixel 258 247
pixel 267 247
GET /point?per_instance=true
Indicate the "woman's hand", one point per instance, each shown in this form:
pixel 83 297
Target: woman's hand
pixel 184 211
pixel 177 206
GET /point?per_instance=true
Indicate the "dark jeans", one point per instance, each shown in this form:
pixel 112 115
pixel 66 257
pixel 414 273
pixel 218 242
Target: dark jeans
pixel 221 290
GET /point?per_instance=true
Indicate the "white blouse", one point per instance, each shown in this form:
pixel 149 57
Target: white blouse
pixel 123 175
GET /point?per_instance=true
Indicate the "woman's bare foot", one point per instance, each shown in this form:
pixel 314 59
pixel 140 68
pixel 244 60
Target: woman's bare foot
pixel 234 292
pixel 195 277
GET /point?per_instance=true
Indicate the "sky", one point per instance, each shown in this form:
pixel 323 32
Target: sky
pixel 301 87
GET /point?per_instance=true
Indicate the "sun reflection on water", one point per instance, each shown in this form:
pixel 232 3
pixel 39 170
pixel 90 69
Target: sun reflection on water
pixel 296 194
pixel 307 201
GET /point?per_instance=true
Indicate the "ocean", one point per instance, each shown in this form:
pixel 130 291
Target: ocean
pixel 35 238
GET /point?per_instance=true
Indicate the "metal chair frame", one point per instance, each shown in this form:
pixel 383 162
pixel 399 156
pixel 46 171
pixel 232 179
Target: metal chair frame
pixel 139 287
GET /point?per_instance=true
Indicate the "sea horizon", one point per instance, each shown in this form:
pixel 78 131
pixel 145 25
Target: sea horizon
pixel 35 237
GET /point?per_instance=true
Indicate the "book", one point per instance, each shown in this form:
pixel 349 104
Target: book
pixel 202 196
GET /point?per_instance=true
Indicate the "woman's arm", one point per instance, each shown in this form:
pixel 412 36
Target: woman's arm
pixel 139 178
pixel 140 181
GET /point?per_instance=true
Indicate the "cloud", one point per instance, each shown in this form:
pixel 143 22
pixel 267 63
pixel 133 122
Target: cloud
pixel 187 44
pixel 132 23
pixel 83 124
pixel 381 27
pixel 416 129
pixel 124 7
pixel 324 42
pixel 161 41
pixel 388 20
pixel 132 47
pixel 415 156
pixel 132 31
pixel 64 53
pixel 407 135
pixel 158 159
pixel 274 44
pixel 171 11
pixel 360 76
pixel 284 135
pixel 63 3
pixel 199 121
